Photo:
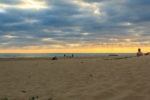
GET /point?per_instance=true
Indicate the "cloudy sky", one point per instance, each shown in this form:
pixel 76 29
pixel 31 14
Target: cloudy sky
pixel 74 25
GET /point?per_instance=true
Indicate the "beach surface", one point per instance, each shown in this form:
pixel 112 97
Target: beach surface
pixel 103 78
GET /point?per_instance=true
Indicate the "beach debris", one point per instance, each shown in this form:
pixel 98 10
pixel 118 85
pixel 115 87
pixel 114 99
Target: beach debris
pixel 122 58
pixel 91 75
pixel 23 91
pixel 34 98
pixel 108 59
pixel 54 58
pixel 81 62
pixel 37 97
pixel 50 99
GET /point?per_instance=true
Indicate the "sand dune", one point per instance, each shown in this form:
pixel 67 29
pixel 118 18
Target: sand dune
pixel 105 78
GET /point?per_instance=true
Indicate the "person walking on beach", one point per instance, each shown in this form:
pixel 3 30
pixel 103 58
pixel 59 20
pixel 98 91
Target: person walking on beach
pixel 72 55
pixel 139 53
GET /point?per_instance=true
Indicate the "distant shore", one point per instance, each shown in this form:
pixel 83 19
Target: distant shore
pixel 47 55
pixel 61 58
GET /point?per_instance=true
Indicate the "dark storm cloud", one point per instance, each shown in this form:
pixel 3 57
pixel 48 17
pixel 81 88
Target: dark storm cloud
pixel 71 22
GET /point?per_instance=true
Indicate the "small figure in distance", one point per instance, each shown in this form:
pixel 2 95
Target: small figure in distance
pixel 139 53
pixel 64 55
pixel 72 55
pixel 54 58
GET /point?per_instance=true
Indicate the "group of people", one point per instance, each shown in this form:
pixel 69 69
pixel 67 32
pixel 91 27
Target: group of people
pixel 69 56
pixel 139 53
pixel 55 58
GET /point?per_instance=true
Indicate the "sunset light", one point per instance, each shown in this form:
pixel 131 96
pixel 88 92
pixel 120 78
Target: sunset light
pixel 33 4
pixel 89 26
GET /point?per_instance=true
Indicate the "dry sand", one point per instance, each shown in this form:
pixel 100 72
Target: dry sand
pixel 108 78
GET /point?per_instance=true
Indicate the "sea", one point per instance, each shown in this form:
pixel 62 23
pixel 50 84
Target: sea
pixel 49 55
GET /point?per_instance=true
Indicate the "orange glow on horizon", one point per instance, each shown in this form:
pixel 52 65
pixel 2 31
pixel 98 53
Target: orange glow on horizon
pixel 79 50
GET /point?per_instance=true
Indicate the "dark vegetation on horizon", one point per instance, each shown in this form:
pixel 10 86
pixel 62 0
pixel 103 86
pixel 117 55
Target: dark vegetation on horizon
pixel 32 98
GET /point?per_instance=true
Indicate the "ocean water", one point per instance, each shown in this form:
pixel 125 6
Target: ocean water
pixel 47 55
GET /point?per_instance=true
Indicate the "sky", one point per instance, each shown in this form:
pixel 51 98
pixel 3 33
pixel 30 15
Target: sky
pixel 74 26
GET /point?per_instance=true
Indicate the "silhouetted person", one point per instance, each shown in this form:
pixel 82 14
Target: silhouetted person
pixel 64 55
pixel 139 53
pixel 54 58
pixel 72 55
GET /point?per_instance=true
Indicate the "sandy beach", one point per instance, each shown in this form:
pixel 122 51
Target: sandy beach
pixel 103 78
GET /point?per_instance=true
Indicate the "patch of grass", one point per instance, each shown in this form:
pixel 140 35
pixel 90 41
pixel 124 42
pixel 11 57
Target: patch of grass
pixel 50 99
pixel 23 91
pixel 5 98
pixel 91 75
pixel 32 98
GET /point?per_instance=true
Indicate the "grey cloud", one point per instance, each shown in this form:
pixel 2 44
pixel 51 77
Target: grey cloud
pixel 61 24
pixel 12 2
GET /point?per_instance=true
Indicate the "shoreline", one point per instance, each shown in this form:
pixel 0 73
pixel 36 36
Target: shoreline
pixel 60 58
